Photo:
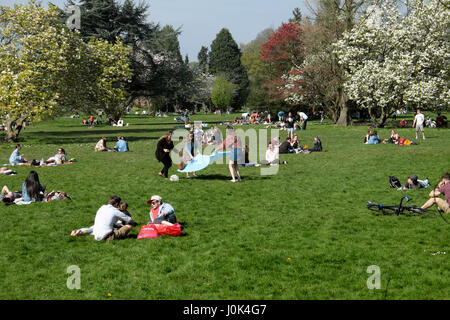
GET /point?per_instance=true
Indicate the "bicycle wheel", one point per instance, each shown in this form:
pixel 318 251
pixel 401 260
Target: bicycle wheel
pixel 389 210
pixel 374 206
pixel 416 209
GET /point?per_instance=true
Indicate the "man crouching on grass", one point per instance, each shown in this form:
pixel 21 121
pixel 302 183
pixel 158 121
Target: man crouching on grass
pixel 105 221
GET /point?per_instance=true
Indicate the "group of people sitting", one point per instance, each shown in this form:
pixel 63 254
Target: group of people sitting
pixel 113 221
pixel 294 146
pixel 121 145
pixel 372 138
pixel 17 158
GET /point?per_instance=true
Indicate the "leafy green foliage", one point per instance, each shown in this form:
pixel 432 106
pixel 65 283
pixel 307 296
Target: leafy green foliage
pixel 222 93
pixel 225 59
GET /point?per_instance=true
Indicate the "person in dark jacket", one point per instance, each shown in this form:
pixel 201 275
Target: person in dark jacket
pixel 285 147
pixel 163 148
pixel 317 145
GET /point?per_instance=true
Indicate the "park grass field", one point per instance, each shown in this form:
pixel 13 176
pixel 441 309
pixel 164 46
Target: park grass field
pixel 303 233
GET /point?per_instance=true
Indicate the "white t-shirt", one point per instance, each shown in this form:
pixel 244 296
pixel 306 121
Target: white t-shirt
pixel 105 219
pixel 420 118
pixel 303 116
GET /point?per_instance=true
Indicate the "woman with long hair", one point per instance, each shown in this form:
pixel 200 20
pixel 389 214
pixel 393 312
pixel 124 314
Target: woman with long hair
pixel 233 142
pixel 162 153
pixel 32 189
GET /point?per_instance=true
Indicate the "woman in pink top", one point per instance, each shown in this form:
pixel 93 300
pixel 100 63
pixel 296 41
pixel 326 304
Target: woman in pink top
pixel 232 141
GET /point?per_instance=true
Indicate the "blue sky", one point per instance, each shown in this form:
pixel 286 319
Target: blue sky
pixel 201 20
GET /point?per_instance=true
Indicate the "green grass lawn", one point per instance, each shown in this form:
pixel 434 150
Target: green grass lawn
pixel 303 233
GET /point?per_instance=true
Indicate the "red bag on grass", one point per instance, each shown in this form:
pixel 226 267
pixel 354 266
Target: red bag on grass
pixel 154 230
pixel 148 232
pixel 163 229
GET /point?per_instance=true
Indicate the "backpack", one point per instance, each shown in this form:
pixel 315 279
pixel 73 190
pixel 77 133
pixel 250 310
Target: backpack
pixel 394 182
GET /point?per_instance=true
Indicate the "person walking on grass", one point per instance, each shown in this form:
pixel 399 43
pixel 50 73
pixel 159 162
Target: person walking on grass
pixel 418 122
pixel 107 224
pixel 234 142
pixel 442 189
pixel 162 153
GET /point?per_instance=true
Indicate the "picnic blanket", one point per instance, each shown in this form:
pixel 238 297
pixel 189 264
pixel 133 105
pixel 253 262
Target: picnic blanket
pixel 201 161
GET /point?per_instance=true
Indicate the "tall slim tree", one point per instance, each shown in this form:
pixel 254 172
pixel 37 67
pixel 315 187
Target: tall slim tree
pixel 203 59
pixel 225 58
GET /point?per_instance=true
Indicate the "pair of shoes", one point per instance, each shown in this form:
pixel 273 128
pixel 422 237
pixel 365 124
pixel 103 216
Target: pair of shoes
pixel 160 174
pixel 233 180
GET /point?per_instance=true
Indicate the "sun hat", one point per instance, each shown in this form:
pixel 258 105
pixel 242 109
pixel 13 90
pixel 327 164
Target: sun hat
pixel 154 197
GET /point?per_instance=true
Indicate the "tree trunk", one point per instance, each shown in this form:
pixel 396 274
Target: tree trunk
pixel 13 132
pixel 345 118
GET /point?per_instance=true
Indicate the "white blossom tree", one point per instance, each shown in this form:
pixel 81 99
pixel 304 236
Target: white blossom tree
pixel 392 60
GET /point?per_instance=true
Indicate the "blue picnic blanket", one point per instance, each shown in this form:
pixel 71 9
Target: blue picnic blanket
pixel 201 161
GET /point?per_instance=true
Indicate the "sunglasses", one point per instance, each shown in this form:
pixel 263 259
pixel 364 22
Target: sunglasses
pixel 155 201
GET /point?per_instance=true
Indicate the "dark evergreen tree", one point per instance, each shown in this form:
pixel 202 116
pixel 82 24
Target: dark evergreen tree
pixel 297 16
pixel 225 59
pixel 203 59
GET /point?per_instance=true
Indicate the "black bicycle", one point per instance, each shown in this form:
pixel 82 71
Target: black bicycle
pixel 396 209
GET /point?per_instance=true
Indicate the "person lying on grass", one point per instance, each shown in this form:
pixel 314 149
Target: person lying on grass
pixel 16 157
pixel 101 145
pixel 58 158
pixel 162 213
pixel 442 189
pixel 9 197
pixel 107 222
pixel 413 182
pixel 6 171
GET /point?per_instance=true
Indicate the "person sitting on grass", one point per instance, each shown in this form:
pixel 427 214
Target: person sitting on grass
pixel 31 189
pixel 367 136
pixel 16 157
pixel 374 138
pixel 101 145
pixel 107 217
pixel 317 145
pixel 442 189
pixel 58 158
pixel 162 213
pixel 9 197
pixel 271 155
pixel 6 171
pixel 394 137
pixel 121 145
pixel 285 147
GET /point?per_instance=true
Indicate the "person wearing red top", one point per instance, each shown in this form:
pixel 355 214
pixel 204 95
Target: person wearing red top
pixel 161 212
pixel 444 189
pixel 232 141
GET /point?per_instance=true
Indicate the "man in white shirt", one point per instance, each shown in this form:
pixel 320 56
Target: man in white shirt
pixel 105 220
pixel 419 119
pixel 304 117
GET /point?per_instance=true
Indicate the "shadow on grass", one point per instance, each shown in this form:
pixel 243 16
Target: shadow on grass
pixel 85 136
pixel 227 177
